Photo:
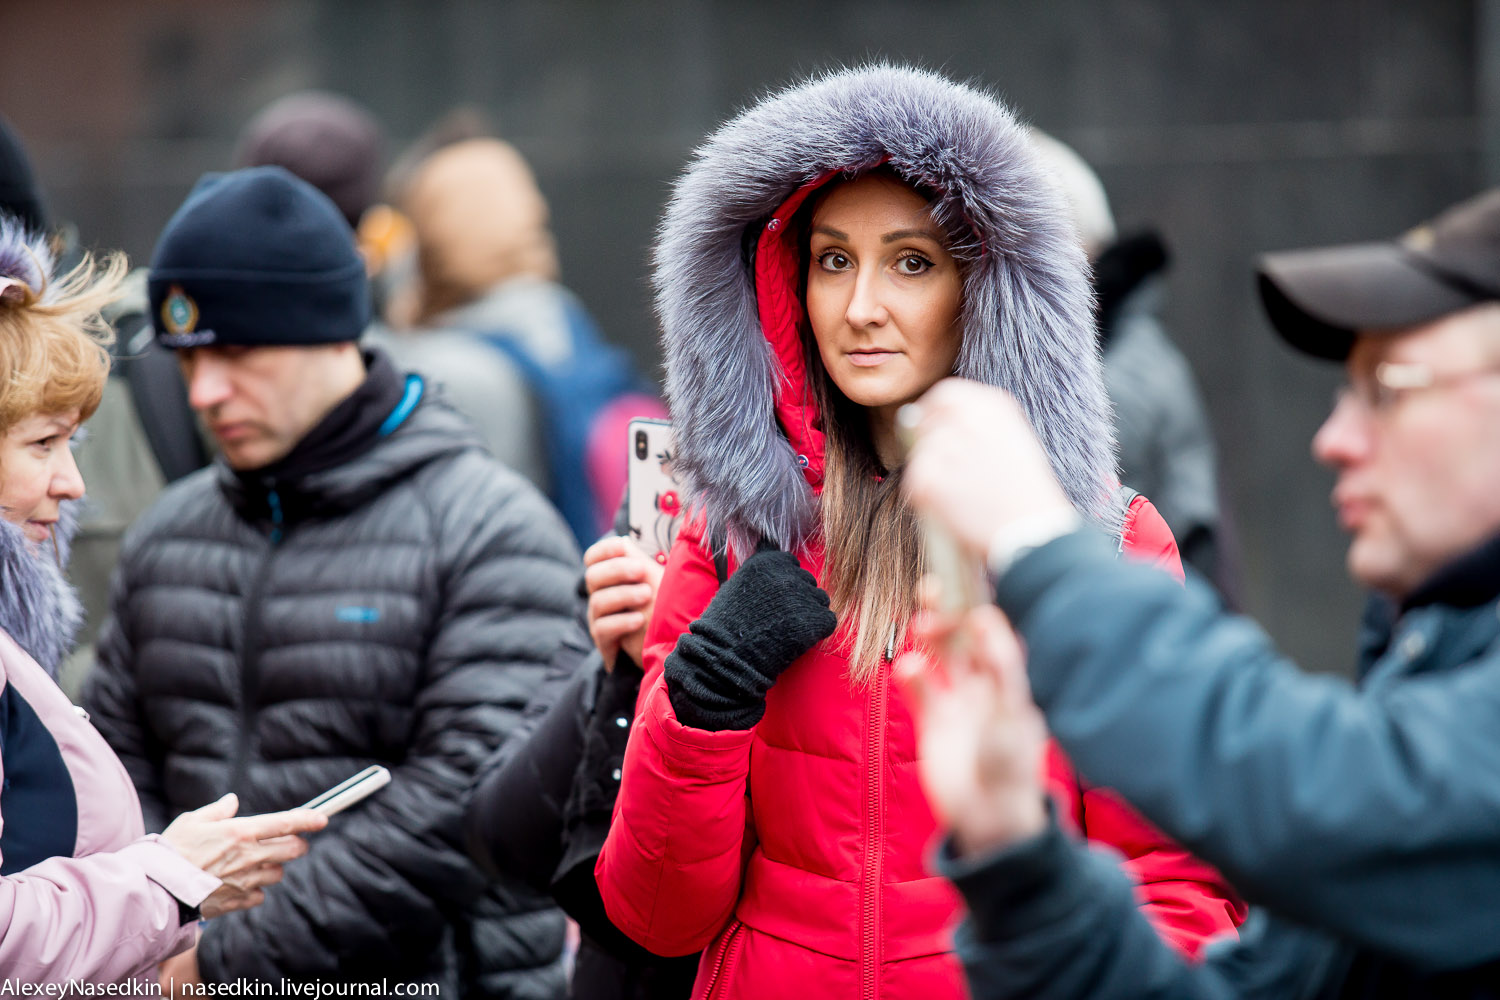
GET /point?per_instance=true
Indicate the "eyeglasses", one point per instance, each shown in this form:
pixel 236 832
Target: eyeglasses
pixel 1379 394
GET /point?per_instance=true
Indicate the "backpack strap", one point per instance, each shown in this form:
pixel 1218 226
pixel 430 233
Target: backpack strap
pixel 718 544
pixel 1127 497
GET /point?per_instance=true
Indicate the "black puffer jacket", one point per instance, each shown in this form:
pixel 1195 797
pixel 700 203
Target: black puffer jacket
pixel 540 809
pixel 398 609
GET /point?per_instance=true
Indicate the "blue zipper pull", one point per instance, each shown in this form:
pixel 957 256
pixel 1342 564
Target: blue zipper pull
pixel 274 499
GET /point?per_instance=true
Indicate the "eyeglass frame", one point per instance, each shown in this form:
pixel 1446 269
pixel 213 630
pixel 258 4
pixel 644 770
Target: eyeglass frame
pixel 1379 395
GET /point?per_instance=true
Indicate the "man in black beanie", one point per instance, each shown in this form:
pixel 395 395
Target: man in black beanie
pixel 354 582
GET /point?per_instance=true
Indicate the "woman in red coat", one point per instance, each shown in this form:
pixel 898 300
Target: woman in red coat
pixel 828 256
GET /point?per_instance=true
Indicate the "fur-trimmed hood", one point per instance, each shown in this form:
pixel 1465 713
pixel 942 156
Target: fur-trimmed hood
pixel 38 607
pixel 749 448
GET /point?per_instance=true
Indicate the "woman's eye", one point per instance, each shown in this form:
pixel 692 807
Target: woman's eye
pixel 833 260
pixel 913 264
pixel 45 443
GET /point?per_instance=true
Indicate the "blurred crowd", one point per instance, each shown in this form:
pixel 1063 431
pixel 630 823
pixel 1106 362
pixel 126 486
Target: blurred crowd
pixel 937 691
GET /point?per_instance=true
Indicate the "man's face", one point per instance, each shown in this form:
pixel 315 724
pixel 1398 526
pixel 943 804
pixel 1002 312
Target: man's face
pixel 258 402
pixel 1416 447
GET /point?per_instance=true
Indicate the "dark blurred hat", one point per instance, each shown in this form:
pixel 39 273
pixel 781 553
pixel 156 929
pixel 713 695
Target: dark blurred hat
pixel 1319 299
pixel 19 194
pixel 326 139
pixel 257 257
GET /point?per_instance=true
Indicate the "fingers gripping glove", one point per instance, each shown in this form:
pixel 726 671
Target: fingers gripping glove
pixel 766 615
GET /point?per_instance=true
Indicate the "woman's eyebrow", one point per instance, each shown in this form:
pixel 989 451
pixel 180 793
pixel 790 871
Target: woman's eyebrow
pixel 906 234
pixel 832 233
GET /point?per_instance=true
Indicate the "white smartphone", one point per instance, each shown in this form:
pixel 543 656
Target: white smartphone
pixel 654 504
pixel 346 793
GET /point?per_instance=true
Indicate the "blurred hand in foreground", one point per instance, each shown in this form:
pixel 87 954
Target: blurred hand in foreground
pixel 976 466
pixel 981 740
pixel 622 582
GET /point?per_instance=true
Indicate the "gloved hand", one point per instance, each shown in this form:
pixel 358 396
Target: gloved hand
pixel 766 615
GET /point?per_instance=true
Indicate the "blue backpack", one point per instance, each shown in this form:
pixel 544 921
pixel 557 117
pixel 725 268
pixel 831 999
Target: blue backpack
pixel 584 401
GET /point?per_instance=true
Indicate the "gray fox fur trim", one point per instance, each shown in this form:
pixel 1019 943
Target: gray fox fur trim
pixel 38 607
pixel 1027 305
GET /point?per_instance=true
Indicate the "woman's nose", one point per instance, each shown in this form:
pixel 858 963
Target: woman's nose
pixel 866 305
pixel 67 481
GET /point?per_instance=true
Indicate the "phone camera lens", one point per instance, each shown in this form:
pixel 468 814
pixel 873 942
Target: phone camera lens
pixel 641 448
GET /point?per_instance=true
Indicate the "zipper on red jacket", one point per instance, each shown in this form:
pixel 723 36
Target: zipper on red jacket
pixel 725 953
pixel 869 945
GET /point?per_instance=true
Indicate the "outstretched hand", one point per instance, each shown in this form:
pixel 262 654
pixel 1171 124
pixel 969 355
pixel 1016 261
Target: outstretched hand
pixel 980 737
pixel 246 853
pixel 976 465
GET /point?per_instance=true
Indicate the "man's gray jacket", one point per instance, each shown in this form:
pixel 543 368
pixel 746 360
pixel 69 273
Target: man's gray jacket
pixel 274 638
pixel 1365 823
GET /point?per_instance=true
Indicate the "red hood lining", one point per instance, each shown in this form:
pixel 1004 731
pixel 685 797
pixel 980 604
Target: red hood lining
pixel 777 266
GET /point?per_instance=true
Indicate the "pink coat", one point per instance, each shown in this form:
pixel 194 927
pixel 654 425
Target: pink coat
pixel 107 911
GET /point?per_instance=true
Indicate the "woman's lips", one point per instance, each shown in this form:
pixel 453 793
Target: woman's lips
pixel 869 359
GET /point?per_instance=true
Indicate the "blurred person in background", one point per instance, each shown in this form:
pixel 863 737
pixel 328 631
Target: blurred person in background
pixel 85 893
pixel 1166 446
pixel 338 146
pixel 541 806
pixel 352 582
pixel 486 313
pixel 826 257
pixel 328 140
pixel 143 434
pixel 1363 819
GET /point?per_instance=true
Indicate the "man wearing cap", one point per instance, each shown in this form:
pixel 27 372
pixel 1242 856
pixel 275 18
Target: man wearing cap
pixel 354 582
pixel 1364 822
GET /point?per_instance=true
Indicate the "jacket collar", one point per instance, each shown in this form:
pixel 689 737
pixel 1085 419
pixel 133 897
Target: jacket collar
pixel 39 609
pixel 1468 581
pixel 421 428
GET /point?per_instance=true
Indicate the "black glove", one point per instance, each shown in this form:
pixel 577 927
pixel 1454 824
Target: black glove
pixel 769 613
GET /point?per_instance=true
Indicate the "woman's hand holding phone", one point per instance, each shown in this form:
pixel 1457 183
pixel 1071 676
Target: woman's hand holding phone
pixel 246 852
pixel 622 582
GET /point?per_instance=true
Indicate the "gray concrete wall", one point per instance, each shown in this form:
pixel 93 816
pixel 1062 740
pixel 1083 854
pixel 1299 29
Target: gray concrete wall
pixel 1235 126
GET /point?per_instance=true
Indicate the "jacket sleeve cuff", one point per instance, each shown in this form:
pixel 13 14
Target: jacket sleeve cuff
pixel 1016 889
pixel 692 751
pixel 185 881
pixel 1027 581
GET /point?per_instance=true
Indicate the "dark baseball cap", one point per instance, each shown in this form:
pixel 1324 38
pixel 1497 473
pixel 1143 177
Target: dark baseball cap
pixel 1320 299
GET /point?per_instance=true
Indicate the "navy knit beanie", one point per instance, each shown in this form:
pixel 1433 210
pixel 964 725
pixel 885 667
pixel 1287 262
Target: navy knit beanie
pixel 257 257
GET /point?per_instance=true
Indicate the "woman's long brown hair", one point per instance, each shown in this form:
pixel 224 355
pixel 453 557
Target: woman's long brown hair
pixel 873 554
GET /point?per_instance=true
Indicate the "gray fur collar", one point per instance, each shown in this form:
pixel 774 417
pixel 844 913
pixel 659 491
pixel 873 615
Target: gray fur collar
pixel 38 607
pixel 1028 311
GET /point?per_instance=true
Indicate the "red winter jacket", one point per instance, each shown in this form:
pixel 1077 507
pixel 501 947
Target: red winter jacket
pixel 795 852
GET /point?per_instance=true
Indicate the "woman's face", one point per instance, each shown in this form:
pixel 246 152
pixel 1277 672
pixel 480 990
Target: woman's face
pixel 37 472
pixel 882 293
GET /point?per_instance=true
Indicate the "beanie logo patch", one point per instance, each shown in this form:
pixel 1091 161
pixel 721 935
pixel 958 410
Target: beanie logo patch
pixel 179 313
